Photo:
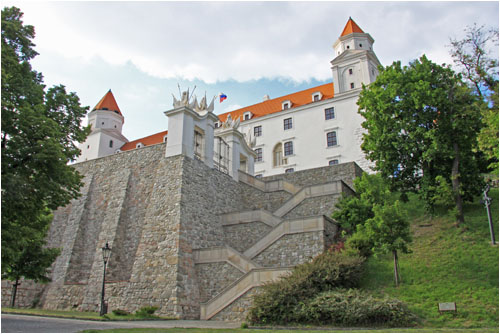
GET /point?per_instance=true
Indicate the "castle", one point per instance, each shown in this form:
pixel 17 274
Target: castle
pixel 312 128
pixel 197 217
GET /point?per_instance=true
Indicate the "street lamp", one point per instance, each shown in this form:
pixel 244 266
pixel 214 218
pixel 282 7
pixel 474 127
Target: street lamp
pixel 106 253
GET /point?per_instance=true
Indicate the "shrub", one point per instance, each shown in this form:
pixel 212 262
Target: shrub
pixel 146 311
pixel 119 312
pixel 352 307
pixel 277 300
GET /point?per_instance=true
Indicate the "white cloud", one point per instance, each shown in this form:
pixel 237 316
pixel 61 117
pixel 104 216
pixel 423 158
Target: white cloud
pixel 218 41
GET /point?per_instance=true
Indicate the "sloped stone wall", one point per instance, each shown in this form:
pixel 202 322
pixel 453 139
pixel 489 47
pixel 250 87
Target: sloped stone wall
pixel 214 277
pixel 345 172
pixel 242 236
pixel 292 249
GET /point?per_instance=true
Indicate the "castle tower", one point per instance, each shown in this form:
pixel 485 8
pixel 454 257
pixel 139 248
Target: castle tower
pixel 105 138
pixel 355 63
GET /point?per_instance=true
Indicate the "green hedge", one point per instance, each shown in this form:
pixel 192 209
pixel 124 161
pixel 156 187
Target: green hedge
pixel 352 307
pixel 276 301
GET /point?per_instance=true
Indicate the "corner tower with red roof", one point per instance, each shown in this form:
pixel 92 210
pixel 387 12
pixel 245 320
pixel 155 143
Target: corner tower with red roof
pixel 106 121
pixel 355 63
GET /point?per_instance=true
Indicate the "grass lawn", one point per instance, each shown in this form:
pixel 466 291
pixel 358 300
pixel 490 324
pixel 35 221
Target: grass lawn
pixel 305 330
pixel 448 264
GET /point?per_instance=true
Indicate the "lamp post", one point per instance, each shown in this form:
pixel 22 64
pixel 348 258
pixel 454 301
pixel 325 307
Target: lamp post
pixel 487 201
pixel 106 253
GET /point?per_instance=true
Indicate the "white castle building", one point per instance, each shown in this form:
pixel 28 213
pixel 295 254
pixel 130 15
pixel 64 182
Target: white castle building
pixel 316 127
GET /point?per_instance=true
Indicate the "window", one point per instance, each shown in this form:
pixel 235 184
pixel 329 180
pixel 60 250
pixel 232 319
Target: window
pixel 288 148
pixel 258 176
pixel 165 139
pixel 360 45
pixel 287 123
pixel 247 115
pixel 352 85
pixel 102 123
pixel 347 47
pixel 333 162
pixel 110 143
pixel 331 138
pixel 316 98
pixel 278 155
pixel 289 170
pixel 259 154
pixel 139 145
pixel 287 104
pixel 217 124
pixel 350 71
pixel 88 146
pixel 257 131
pixel 329 113
pixel 198 145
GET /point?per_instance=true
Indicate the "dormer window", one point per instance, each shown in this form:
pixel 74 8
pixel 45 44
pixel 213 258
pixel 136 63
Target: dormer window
pixel 286 105
pixel 317 96
pixel 247 115
pixel 217 124
pixel 139 145
pixel 165 138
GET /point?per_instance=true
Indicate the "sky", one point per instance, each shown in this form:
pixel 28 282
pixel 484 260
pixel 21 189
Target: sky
pixel 142 51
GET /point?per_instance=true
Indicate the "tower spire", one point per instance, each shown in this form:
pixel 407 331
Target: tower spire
pixel 351 27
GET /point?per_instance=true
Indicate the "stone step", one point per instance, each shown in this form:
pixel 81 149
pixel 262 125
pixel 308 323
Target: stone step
pixel 267 186
pixel 299 225
pixel 224 254
pixel 308 192
pixel 242 217
pixel 253 278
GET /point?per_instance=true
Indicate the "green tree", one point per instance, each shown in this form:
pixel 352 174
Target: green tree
pixel 39 131
pixel 472 56
pixel 422 122
pixel 389 230
pixel 355 210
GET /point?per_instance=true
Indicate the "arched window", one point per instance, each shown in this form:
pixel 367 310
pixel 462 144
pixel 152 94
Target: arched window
pixel 278 155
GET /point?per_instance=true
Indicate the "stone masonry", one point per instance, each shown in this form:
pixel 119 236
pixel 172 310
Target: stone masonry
pixel 184 237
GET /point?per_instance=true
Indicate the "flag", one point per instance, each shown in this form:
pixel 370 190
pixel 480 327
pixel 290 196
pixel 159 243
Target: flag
pixel 222 97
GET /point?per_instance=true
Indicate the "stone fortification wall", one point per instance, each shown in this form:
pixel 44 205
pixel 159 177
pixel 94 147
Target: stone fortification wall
pixel 242 236
pixel 292 249
pixel 345 172
pixel 214 277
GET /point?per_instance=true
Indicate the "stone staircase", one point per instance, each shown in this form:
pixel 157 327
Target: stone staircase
pixel 277 228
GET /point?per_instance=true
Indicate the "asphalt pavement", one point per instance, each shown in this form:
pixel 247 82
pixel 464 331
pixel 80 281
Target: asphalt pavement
pixel 13 323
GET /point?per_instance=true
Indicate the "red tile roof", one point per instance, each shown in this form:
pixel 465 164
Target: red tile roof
pixel 146 141
pixel 274 105
pixel 351 27
pixel 108 102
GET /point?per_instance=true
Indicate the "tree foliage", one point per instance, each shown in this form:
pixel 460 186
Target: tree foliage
pixel 375 218
pixel 39 131
pixel 473 57
pixel 422 122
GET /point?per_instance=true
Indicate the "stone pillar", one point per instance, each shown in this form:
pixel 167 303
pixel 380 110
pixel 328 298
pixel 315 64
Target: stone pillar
pixel 237 147
pixel 182 124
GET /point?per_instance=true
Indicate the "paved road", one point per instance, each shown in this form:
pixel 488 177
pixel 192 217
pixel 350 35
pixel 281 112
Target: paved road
pixel 12 323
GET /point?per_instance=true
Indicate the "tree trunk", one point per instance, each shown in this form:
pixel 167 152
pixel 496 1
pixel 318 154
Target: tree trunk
pixel 396 272
pixel 14 292
pixel 455 182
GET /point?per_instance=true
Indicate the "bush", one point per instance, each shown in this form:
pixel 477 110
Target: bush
pixel 342 307
pixel 119 312
pixel 146 311
pixel 277 300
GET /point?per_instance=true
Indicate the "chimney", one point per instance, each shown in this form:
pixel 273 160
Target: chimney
pixel 265 98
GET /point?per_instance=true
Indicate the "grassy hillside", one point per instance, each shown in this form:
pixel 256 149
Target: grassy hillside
pixel 448 264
